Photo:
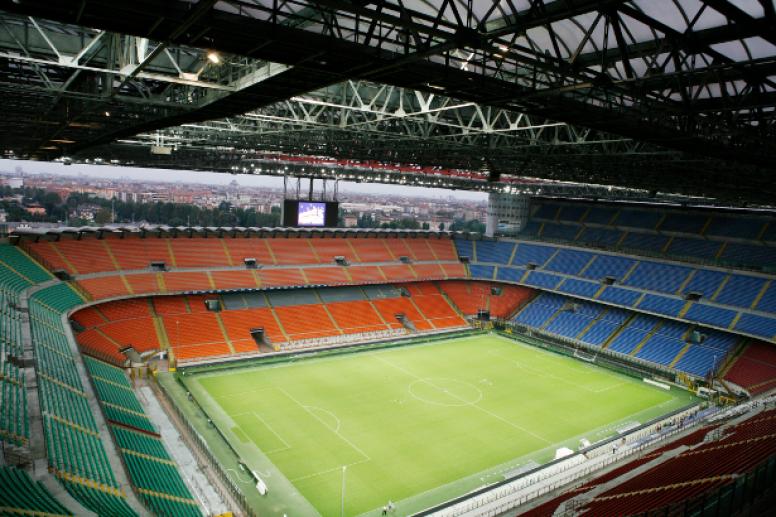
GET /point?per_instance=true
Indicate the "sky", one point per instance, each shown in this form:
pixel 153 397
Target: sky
pixel 213 178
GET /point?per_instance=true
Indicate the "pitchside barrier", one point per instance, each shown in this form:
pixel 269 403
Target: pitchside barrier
pixel 525 487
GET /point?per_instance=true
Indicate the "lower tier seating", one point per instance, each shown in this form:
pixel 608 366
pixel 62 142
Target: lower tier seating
pixel 500 299
pixel 755 368
pixel 287 316
pixel 668 343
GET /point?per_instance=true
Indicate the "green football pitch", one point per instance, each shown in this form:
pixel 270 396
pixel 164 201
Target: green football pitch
pixel 417 424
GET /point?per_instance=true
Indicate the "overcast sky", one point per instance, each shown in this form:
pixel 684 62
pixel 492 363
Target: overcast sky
pixel 212 178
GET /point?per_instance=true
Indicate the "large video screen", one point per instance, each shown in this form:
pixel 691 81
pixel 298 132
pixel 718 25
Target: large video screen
pixel 311 214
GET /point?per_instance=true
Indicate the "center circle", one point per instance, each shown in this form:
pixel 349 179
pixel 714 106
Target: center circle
pixel 444 391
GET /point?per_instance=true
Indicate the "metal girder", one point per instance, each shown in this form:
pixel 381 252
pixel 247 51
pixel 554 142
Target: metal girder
pixel 661 73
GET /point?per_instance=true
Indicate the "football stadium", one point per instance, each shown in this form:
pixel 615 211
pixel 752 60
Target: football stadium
pixel 605 346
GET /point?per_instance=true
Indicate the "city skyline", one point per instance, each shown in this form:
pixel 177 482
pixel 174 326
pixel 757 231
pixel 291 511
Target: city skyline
pixel 112 172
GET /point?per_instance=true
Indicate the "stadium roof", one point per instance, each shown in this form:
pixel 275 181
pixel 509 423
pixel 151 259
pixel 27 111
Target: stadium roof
pixel 662 95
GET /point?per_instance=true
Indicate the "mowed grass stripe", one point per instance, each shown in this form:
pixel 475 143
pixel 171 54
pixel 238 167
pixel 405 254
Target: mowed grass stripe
pixel 408 420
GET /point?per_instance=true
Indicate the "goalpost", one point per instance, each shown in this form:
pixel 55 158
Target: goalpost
pixel 585 355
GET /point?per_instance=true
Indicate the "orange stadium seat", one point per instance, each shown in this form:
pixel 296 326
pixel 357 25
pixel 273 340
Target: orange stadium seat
pixel 249 247
pixel 143 283
pixel 196 302
pixel 93 342
pixel 371 274
pixel 186 281
pixel 129 252
pixel 292 251
pixel 126 309
pixel 199 252
pixel 390 307
pixel 139 333
pixel 421 288
pixel 434 306
pixel 279 277
pixel 398 248
pixel 104 286
pixel 86 256
pixel 371 250
pixel 233 279
pixel 356 316
pixel 398 272
pixel 326 275
pixel 420 249
pixel 89 317
pixel 306 321
pixel 238 324
pixel 327 249
pixel 428 271
pixel 443 249
pixel 47 252
pixel 454 270
pixel 166 305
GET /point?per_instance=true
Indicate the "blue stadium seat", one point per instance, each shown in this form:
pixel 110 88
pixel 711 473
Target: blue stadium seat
pixel 570 262
pixel 635 218
pixel 608 265
pixel 478 271
pixel 619 295
pixel 464 248
pixel 532 253
pixel 599 332
pixel 509 274
pixel 736 227
pixel 569 324
pixel 661 304
pixel 768 302
pixel 644 322
pixel 541 279
pixel 627 340
pixel 572 213
pixel 560 231
pixel 672 329
pixel 740 290
pixel 660 349
pixel 494 251
pixel 531 228
pixel 683 223
pixel 601 237
pixel 757 325
pixel 699 360
pixel 546 210
pixel 706 282
pixel 579 287
pixel 645 241
pixel 536 313
pixel 656 276
pixel 600 215
pixel 710 315
pixel 694 248
pixel 749 254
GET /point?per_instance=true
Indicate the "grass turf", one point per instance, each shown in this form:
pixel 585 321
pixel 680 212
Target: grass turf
pixel 417 424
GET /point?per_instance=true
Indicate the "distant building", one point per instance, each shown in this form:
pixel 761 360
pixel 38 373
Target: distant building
pixel 35 209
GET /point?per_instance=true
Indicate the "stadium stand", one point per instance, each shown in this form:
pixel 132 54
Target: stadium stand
pixel 21 495
pixel 75 453
pixel 661 342
pixel 728 300
pixel 708 236
pixel 754 369
pixel 470 297
pixel 151 470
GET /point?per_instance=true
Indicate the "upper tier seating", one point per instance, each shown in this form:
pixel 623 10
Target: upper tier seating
pixel 743 302
pixel 737 240
pixel 90 255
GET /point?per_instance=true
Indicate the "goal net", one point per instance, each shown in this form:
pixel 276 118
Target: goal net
pixel 584 355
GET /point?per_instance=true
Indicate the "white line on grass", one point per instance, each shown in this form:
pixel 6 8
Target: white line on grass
pixel 486 411
pixel 344 439
pixel 338 468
